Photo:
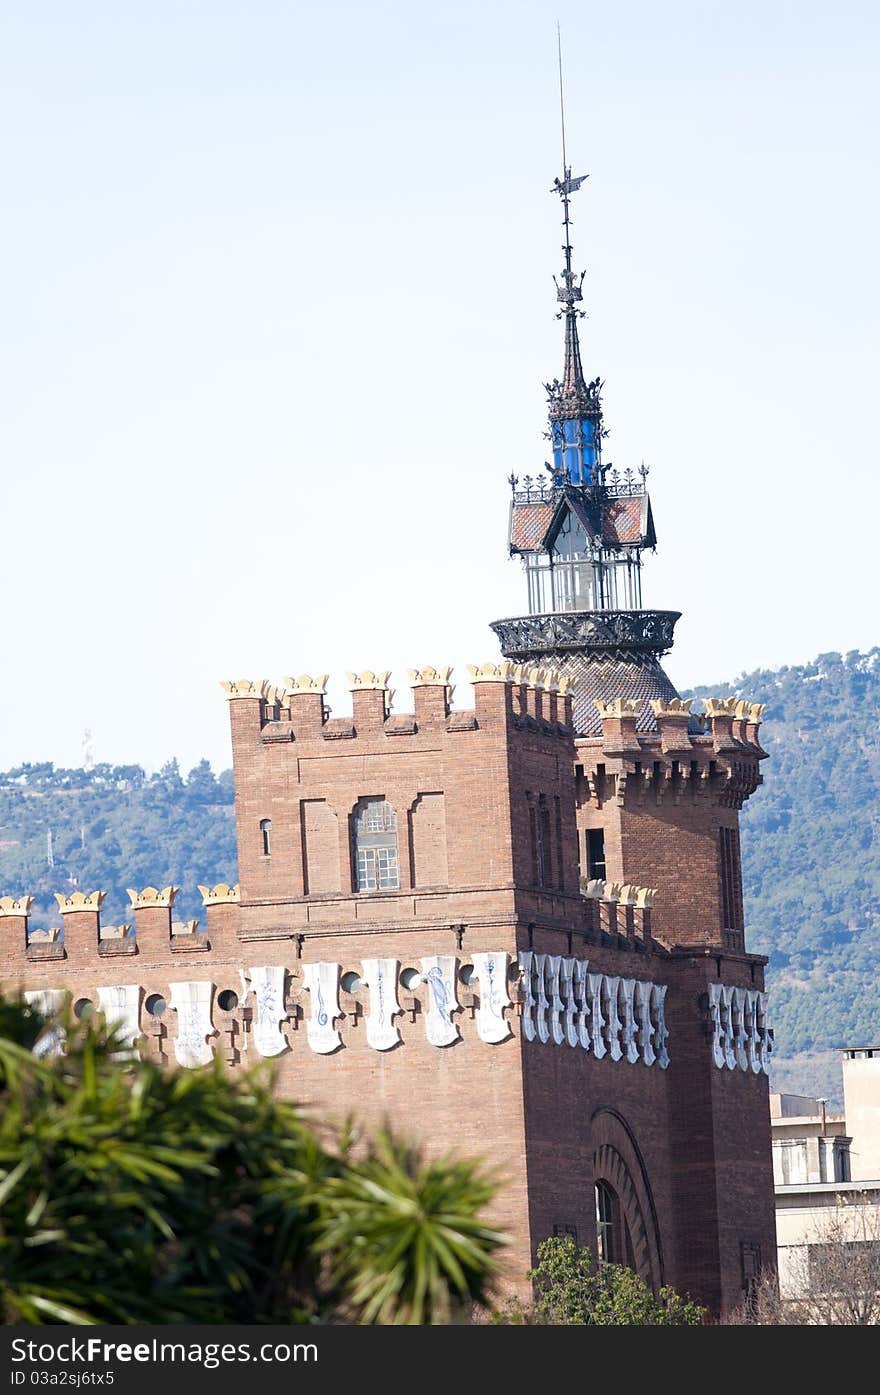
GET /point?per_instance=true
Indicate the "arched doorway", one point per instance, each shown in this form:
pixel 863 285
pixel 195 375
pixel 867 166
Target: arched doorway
pixel 626 1221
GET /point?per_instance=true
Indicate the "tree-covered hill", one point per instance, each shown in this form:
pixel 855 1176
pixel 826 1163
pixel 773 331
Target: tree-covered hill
pixel 811 861
pixel 810 840
pixel 111 828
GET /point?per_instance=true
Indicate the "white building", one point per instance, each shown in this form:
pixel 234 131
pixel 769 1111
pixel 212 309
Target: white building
pixel 826 1169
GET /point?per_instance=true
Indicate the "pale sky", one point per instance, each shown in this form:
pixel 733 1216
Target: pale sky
pixel 276 306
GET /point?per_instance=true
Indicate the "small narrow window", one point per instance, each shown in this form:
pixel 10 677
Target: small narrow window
pixel 596 853
pixel 731 880
pixel 266 836
pixel 537 856
pixel 545 857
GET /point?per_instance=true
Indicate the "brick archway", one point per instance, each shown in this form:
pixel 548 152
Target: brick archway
pixel 618 1161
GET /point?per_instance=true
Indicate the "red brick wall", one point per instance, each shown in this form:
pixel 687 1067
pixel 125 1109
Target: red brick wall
pixel 538 1112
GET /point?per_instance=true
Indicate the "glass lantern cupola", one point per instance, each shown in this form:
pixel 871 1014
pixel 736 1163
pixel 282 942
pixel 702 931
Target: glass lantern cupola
pixel 581 531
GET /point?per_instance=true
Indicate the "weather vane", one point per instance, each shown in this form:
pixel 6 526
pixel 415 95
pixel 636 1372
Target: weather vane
pixel 570 292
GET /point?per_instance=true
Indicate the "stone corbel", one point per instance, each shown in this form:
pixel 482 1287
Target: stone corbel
pixel 627 986
pixel 752 1041
pixel 543 1001
pixel 739 1044
pixel 717 1031
pixel 612 986
pixel 765 1035
pixel 658 1004
pixel 597 1021
pixel 557 1030
pixel 727 1026
pixel 646 1027
pixel 567 993
pixel 530 1003
pixel 581 993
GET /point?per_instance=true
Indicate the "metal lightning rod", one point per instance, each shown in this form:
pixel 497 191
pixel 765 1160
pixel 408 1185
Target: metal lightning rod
pixel 566 172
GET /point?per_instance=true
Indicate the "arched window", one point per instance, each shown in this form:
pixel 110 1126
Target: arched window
pixel 375 846
pixel 608 1225
pixel 266 835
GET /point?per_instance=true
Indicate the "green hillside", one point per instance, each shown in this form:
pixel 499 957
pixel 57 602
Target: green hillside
pixel 111 828
pixel 811 851
pixel 811 861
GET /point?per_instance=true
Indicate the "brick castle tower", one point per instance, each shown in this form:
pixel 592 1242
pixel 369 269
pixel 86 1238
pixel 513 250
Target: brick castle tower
pixel 514 928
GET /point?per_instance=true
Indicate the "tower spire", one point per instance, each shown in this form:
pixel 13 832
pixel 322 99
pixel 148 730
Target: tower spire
pixel 572 396
pixel 581 535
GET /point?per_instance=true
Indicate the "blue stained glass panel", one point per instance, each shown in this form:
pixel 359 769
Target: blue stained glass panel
pixel 557 433
pixel 573 463
pixel 571 431
pixel 557 459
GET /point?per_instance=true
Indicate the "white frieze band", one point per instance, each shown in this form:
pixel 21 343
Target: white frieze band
pixel 623 1018
pixel 741 1035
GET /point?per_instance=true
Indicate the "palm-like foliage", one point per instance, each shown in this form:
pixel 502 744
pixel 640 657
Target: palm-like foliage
pixel 134 1194
pixel 404 1238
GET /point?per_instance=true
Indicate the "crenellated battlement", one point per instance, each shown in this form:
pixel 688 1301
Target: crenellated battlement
pixel 83 939
pixel 660 798
pixel 297 709
pixel 612 914
pixel 15 906
pixel 153 898
pixel 220 895
pixel 719 759
pixel 447 787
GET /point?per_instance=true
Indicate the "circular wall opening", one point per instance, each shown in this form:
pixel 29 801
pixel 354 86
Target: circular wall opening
pixel 83 1009
pixel 468 975
pixel 227 1000
pixel 351 982
pixel 155 1005
pixel 411 978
